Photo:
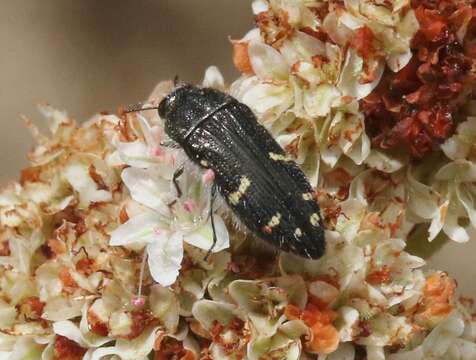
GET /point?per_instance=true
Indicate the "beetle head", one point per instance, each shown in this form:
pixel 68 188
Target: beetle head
pixel 185 107
pixel 168 103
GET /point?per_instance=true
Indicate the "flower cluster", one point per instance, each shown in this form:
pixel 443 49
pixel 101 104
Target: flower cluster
pixel 98 205
pixel 348 88
pixel 309 63
pixel 101 259
pixel 68 291
pixel 418 106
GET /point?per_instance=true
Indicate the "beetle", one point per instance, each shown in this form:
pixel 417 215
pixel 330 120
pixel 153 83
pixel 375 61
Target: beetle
pixel 263 186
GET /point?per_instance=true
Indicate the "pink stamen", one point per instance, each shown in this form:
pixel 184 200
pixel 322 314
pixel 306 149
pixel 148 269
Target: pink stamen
pixel 138 301
pixel 157 231
pixel 208 176
pixel 188 205
pixel 156 151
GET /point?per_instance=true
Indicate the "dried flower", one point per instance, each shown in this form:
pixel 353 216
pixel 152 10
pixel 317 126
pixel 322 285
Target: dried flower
pixel 418 107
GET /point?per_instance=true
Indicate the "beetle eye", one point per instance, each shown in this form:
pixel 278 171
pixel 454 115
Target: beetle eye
pixel 167 105
pixel 164 107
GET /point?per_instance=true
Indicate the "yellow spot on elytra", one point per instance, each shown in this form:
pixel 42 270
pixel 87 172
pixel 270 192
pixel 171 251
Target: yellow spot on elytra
pixel 279 157
pixel 298 232
pixel 204 163
pixel 314 219
pixel 244 184
pixel 235 196
pixel 275 220
pixel 307 196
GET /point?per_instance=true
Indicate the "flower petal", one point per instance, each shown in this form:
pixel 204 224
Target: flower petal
pixel 213 78
pixel 136 349
pixel 77 174
pixel 165 257
pixel 267 62
pixel 139 229
pixel 209 312
pixel 259 6
pixel 452 228
pixel 318 101
pixel 458 170
pixel 136 154
pixel 203 236
pixel 350 79
pixel 396 61
pixel 71 331
pixel 459 145
pixel 302 47
pixel 268 100
pixel 384 162
pixel 466 198
pixel 438 221
pixel 439 340
pixel 415 354
pixel 464 348
pixel 148 188
pixel 164 305
pixel 422 199
pixel 336 29
pixel 360 150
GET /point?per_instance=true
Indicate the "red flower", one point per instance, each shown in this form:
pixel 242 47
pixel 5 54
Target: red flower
pixel 66 349
pixel 418 107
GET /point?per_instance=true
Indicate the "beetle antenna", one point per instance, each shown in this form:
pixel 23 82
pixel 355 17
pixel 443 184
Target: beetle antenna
pixel 176 80
pixel 138 107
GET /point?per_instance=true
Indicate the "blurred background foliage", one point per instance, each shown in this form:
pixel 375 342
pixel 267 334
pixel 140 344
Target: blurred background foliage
pixel 86 56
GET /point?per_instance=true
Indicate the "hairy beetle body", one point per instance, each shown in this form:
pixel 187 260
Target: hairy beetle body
pixel 261 184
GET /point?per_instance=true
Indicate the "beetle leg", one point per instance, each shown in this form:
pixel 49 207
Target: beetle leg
pixel 210 214
pixel 177 174
pixel 169 144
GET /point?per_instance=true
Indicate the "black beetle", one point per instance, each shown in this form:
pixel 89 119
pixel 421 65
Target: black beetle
pixel 263 186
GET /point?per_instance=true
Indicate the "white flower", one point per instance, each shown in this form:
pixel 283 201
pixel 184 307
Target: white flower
pixel 274 88
pixel 393 28
pixel 310 80
pixel 80 334
pixel 164 244
pixel 350 81
pixel 459 146
pixel 136 349
pixel 213 78
pixel 344 133
pixel 450 197
pixel 162 228
pixel 78 175
pixel 439 343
